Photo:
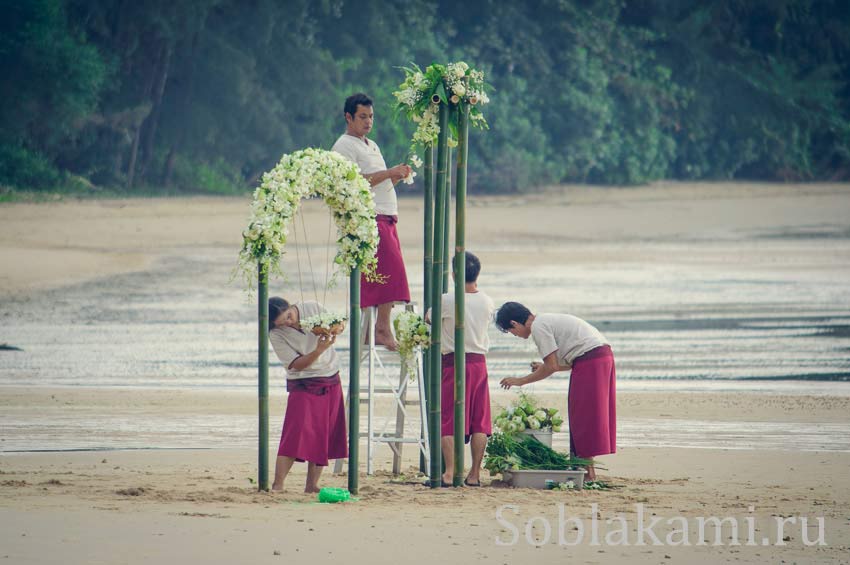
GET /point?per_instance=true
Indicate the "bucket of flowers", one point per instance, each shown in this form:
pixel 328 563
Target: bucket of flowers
pixel 525 462
pixel 528 417
pixel 326 323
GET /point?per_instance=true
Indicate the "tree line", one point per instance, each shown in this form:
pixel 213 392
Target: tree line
pixel 206 95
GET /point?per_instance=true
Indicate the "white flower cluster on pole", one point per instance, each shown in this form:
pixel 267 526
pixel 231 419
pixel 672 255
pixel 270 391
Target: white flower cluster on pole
pixel 420 94
pixel 303 174
pixel 411 332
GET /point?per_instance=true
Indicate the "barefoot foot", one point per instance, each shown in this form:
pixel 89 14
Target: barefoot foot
pixel 386 339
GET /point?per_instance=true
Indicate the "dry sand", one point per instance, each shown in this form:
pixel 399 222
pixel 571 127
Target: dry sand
pixel 179 506
pixel 198 505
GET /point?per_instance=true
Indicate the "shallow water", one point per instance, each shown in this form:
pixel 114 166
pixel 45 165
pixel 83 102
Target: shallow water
pixel 717 320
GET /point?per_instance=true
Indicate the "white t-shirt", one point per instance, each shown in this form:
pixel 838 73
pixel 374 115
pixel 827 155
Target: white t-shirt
pixel 477 315
pixel 368 157
pixel 568 335
pixel 289 344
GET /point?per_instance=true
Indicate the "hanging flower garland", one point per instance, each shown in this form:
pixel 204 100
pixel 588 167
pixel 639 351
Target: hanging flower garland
pixel 306 173
pixel 421 93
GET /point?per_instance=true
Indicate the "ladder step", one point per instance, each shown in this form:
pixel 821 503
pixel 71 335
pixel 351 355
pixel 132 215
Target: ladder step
pixel 406 402
pixel 380 390
pixel 392 439
pixel 398 440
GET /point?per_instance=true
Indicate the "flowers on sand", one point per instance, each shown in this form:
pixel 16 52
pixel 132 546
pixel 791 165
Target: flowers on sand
pixel 527 414
pixel 306 173
pixel 411 333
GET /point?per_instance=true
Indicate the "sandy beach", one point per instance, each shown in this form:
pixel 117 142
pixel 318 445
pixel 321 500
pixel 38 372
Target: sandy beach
pixel 191 505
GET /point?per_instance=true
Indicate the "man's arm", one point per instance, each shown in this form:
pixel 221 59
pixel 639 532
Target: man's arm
pixel 547 368
pixel 394 174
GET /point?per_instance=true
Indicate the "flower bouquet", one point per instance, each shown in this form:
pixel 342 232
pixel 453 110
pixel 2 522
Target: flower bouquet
pixel 527 414
pixel 411 332
pixel 326 323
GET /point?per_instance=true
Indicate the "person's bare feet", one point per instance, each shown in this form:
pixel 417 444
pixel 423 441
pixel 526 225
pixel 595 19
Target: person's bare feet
pixel 385 338
pixel 591 473
pixel 311 490
pixel 277 487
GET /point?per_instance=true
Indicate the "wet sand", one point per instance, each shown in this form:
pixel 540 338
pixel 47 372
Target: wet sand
pixel 188 505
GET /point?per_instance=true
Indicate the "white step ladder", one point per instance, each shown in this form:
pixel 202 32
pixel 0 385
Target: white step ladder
pixel 398 388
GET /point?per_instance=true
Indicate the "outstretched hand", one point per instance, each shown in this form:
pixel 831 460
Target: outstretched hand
pixel 508 382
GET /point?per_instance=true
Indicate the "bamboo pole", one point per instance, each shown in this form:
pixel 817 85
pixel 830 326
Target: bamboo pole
pixel 263 376
pixel 429 262
pixel 354 382
pixel 448 222
pixel 460 291
pixel 437 298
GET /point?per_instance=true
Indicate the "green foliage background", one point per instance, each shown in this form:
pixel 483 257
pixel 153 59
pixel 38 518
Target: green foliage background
pixel 205 95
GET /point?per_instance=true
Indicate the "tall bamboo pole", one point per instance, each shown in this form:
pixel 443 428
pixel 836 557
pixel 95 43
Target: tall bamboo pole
pixel 263 376
pixel 460 290
pixel 429 262
pixel 448 222
pixel 437 298
pixel 354 382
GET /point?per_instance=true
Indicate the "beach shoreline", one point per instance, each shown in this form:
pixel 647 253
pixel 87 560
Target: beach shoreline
pixel 168 474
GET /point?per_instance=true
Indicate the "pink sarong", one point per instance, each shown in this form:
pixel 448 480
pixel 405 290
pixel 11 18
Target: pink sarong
pixel 592 404
pixel 390 267
pixel 477 412
pixel 314 424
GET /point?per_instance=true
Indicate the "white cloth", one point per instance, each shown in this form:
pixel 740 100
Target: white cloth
pixel 289 344
pixel 568 335
pixel 477 315
pixel 368 157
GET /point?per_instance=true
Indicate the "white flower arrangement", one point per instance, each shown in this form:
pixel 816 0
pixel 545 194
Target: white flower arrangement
pixel 306 173
pixel 528 415
pixel 325 323
pixel 411 332
pixel 421 93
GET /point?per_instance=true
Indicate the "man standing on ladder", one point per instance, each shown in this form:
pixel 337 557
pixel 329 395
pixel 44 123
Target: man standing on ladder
pixel 392 284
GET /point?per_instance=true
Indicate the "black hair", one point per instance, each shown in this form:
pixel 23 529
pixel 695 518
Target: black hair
pixel 277 306
pixel 511 312
pixel 473 267
pixel 355 100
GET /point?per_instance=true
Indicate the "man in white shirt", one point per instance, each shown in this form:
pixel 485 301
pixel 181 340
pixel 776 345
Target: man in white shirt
pixel 392 286
pixel 477 313
pixel 568 343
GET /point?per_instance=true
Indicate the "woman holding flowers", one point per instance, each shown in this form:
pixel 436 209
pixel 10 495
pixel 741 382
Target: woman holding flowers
pixel 314 424
pixel 569 343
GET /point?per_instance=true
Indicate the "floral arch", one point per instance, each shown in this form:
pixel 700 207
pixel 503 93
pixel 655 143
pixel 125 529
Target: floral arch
pixel 299 175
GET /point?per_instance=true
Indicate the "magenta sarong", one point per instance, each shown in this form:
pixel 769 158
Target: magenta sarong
pixel 592 404
pixel 390 268
pixel 477 412
pixel 314 424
